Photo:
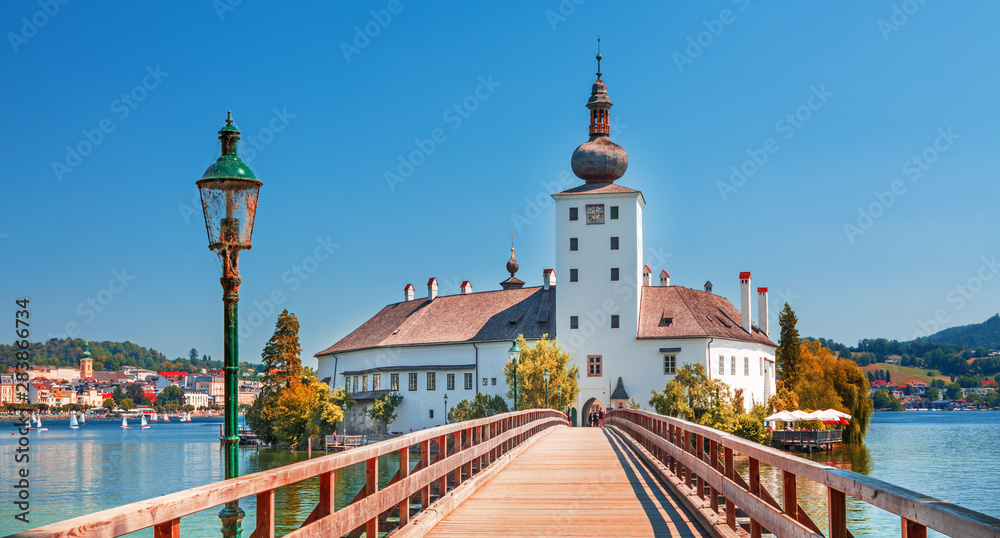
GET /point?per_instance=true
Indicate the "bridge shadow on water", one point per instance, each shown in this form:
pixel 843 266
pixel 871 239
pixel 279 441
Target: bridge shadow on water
pixel 665 507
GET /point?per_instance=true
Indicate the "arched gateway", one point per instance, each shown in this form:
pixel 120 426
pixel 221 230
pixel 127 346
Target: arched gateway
pixel 592 405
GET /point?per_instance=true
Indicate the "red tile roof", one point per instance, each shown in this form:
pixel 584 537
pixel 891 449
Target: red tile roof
pixel 691 313
pixel 488 316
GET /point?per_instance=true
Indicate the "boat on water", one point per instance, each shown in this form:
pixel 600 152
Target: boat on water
pixel 142 423
pixel 125 424
pixel 72 422
pixel 38 425
pixel 186 417
pixel 166 417
pixel 153 418
pixel 83 419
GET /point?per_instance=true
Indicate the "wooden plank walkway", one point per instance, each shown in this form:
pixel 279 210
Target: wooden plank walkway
pixel 572 482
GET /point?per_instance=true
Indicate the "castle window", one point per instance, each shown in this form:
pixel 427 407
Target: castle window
pixel 732 367
pixel 364 384
pixel 574 213
pixel 393 381
pixel 431 413
pixel 614 212
pixel 574 322
pixel 746 365
pixel 413 381
pixel 614 243
pixel 376 381
pixel 574 276
pixel 574 243
pixel 614 274
pixel 669 364
pixel 615 321
pixel 451 382
pixel 484 381
pixel 431 381
pixel 593 366
pixel 493 380
pixel 722 365
pixel 468 381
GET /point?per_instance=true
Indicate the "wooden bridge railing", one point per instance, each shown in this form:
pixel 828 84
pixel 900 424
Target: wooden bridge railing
pixel 476 444
pixel 700 461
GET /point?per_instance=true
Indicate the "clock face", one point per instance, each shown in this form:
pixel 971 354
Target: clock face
pixel 595 214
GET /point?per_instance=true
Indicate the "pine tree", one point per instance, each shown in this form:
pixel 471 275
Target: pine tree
pixel 283 366
pixel 789 355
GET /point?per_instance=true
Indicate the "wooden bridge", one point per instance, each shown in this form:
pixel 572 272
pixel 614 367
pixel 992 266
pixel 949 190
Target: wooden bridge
pixel 528 474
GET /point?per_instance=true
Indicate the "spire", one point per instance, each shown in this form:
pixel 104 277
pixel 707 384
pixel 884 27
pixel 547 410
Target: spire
pixel 599 56
pixel 513 282
pixel 86 348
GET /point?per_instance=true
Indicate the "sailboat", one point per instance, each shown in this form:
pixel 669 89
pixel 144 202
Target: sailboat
pixel 153 418
pixel 38 425
pixel 186 418
pixel 166 418
pixel 143 424
pixel 125 424
pixel 83 419
pixel 72 422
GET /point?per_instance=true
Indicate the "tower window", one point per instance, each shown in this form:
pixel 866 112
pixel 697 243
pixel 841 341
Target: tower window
pixel 593 366
pixel 614 274
pixel 574 213
pixel 574 243
pixel 573 275
pixel 614 212
pixel 574 322
pixel 615 321
pixel 614 243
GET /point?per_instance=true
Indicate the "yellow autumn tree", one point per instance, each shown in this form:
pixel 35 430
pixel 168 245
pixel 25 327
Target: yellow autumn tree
pixel 829 382
pixel 535 359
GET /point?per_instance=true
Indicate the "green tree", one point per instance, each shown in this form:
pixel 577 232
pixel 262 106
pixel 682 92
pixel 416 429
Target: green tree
pixel 384 408
pixel 170 395
pixel 118 395
pixel 135 391
pixel 884 401
pixel 931 394
pixel 992 399
pixel 544 355
pixel 634 404
pixel 193 354
pixel 954 392
pixel 147 401
pixel 974 398
pixel 327 411
pixel 480 406
pixel 788 352
pixel 691 395
pixel 109 404
pixel 126 404
pixel 283 366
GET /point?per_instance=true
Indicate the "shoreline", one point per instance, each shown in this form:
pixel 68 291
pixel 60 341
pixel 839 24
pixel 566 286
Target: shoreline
pixel 65 416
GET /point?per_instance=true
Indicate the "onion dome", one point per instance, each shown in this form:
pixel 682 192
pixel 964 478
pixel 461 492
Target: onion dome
pixel 512 283
pixel 512 263
pixel 599 160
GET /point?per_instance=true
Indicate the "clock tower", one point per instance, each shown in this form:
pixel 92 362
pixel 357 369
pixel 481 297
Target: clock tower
pixel 599 259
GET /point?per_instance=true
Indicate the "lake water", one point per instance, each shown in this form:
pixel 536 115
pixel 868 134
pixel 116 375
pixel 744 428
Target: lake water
pixel 950 455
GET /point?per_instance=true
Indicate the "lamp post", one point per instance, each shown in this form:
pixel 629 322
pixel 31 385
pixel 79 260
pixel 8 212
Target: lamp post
pixel 545 377
pixel 559 392
pixel 446 408
pixel 514 353
pixel 343 423
pixel 229 191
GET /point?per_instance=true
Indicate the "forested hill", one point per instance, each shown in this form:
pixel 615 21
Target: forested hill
pixel 985 334
pixel 107 356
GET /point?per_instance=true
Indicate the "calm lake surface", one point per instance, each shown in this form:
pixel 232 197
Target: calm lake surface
pixel 950 455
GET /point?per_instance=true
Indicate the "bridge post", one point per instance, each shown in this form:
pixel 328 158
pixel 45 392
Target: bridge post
pixel 788 495
pixel 838 513
pixel 425 461
pixel 912 529
pixel 755 530
pixel 442 454
pixel 404 471
pixel 700 452
pixel 371 486
pixel 713 454
pixel 730 474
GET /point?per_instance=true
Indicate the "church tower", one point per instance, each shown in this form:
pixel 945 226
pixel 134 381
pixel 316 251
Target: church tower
pixel 598 258
pixel 86 363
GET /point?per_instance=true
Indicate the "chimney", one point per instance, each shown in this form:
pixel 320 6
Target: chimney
pixel 664 278
pixel 708 286
pixel 745 301
pixel 466 287
pixel 432 288
pixel 548 278
pixel 408 292
pixel 762 309
pixel 647 276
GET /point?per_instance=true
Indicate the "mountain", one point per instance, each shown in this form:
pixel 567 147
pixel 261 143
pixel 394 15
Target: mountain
pixel 985 334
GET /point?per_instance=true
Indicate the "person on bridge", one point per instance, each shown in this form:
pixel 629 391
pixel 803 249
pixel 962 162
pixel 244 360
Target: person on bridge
pixel 600 417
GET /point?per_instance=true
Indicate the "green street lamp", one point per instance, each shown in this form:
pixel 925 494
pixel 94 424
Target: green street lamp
pixel 446 408
pixel 515 354
pixel 343 422
pixel 229 191
pixel 559 392
pixel 545 377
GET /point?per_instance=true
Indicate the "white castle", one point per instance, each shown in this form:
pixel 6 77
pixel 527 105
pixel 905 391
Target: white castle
pixel 627 335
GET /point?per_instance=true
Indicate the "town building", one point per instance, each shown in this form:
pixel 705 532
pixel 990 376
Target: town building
pixel 196 398
pixel 620 328
pixel 38 393
pixel 8 389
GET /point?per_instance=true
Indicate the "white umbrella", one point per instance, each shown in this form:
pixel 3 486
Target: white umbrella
pixel 824 416
pixel 783 416
pixel 838 414
pixel 802 415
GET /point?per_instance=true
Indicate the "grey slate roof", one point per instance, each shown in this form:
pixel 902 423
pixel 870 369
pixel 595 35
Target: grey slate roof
pixel 619 393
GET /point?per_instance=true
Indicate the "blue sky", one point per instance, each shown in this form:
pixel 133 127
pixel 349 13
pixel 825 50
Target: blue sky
pixel 840 105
